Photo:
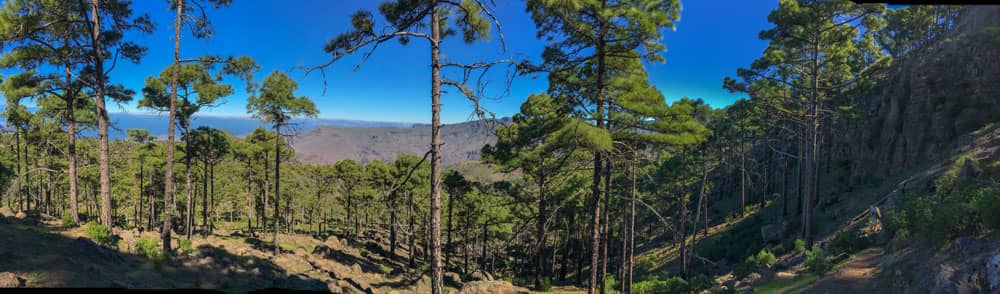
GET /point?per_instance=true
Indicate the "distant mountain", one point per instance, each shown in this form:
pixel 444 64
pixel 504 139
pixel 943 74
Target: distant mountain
pixel 462 142
pixel 239 126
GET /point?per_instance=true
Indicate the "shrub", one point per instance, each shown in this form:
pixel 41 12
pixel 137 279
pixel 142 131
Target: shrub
pixel 699 283
pixel 610 284
pixel 150 248
pixel 800 246
pixel 67 219
pixel 544 285
pixel 766 258
pixel 185 246
pixel 671 285
pixel 816 261
pixel 385 269
pixel 848 242
pixel 99 233
pixel 987 205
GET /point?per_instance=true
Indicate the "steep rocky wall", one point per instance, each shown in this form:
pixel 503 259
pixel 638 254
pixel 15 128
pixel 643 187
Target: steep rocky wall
pixel 928 100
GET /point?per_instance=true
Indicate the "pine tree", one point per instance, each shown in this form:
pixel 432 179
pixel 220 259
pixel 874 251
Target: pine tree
pixel 276 104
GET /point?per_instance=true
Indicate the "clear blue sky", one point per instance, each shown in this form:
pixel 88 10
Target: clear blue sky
pixel 712 39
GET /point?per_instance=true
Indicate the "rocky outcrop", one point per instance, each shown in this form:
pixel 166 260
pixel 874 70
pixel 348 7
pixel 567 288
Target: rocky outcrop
pixel 927 101
pixel 489 287
pixel 10 280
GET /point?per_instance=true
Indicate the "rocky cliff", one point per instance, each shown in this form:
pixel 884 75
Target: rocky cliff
pixel 928 101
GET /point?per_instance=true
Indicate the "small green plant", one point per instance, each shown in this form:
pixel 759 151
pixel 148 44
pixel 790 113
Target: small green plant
pixel 185 246
pixel 766 258
pixel 800 246
pixel 544 285
pixel 817 262
pixel 99 233
pixel 384 269
pixel 149 248
pixel 67 219
pixel 987 205
pixel 671 285
pixel 610 284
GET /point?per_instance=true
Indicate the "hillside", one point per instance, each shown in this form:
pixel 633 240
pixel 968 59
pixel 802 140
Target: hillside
pixel 326 144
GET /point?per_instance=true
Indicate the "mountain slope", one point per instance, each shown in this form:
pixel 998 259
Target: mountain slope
pixel 462 142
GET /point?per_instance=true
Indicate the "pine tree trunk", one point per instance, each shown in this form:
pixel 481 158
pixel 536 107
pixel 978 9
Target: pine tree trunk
pixel 189 224
pixel 71 154
pixel 168 194
pixel 277 184
pixel 437 275
pixel 102 115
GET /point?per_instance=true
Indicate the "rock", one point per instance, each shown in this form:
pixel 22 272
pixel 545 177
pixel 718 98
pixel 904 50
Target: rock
pixel 300 251
pixel 6 212
pixel 452 278
pixel 483 287
pixel 773 232
pixel 993 271
pixel 20 215
pixel 207 261
pixel 480 275
pixel 752 279
pixel 356 268
pixel 323 250
pixel 10 280
pixel 332 241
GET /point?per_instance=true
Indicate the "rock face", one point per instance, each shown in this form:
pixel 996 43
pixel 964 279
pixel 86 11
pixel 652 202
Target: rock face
pixel 993 271
pixel 9 280
pixel 930 99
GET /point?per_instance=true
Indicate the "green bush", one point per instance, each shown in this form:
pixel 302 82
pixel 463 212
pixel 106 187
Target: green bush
pixel 671 285
pixel 800 246
pixel 99 233
pixel 150 248
pixel 987 205
pixel 816 261
pixel 385 269
pixel 848 242
pixel 610 284
pixel 700 283
pixel 766 258
pixel 67 219
pixel 544 285
pixel 185 246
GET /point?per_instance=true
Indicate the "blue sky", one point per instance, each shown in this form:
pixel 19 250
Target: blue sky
pixel 712 39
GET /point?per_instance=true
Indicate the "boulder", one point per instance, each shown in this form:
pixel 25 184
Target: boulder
pixel 356 268
pixel 300 251
pixel 20 215
pixel 491 287
pixel 993 272
pixel 6 212
pixel 332 241
pixel 480 275
pixel 452 278
pixel 10 280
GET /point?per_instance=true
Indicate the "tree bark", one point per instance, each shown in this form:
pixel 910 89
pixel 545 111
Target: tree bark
pixel 437 275
pixel 102 114
pixel 168 195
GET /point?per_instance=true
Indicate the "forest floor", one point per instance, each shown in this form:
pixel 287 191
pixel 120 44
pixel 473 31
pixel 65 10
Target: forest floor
pixel 42 253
